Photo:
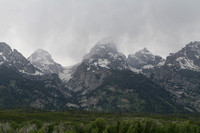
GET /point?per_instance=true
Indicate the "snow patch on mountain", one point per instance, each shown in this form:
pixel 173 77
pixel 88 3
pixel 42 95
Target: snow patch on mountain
pixel 162 63
pixel 136 70
pixel 103 63
pixel 66 75
pixel 36 73
pixel 187 64
pixel 147 66
pixel 197 56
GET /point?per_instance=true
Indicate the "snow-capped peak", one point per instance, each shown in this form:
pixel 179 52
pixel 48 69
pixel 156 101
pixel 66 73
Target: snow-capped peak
pixel 144 59
pixel 105 55
pixel 102 48
pixel 43 60
pixel 41 56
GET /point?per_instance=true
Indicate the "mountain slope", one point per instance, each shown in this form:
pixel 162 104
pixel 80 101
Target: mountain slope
pixel 180 75
pixel 103 81
pixel 127 91
pixel 18 91
pixel 23 85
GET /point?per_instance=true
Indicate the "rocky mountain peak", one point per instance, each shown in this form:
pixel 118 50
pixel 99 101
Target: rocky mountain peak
pixel 194 45
pixel 180 75
pixel 43 60
pixel 41 55
pixel 14 59
pixel 105 55
pixel 5 47
pixel 144 59
pixel 145 51
pixel 187 58
pixel 5 52
pixel 102 48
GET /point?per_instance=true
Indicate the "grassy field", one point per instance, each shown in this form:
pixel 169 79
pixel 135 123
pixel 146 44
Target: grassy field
pixel 39 121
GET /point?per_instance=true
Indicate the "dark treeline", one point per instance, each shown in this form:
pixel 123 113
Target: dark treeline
pixel 42 121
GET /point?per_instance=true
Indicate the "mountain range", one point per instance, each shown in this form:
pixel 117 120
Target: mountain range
pixel 105 80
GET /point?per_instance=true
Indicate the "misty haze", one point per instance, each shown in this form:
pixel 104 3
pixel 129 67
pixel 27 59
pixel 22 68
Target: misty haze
pixel 106 66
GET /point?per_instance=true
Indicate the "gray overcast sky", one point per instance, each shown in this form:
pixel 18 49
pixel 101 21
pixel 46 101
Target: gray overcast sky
pixel 69 28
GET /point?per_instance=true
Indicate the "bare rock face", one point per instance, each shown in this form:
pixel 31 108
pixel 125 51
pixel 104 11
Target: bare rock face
pixel 85 80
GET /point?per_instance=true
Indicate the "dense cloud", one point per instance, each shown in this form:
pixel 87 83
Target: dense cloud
pixel 69 28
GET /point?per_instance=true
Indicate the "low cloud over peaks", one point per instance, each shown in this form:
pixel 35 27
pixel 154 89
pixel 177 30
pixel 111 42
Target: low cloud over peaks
pixel 69 29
